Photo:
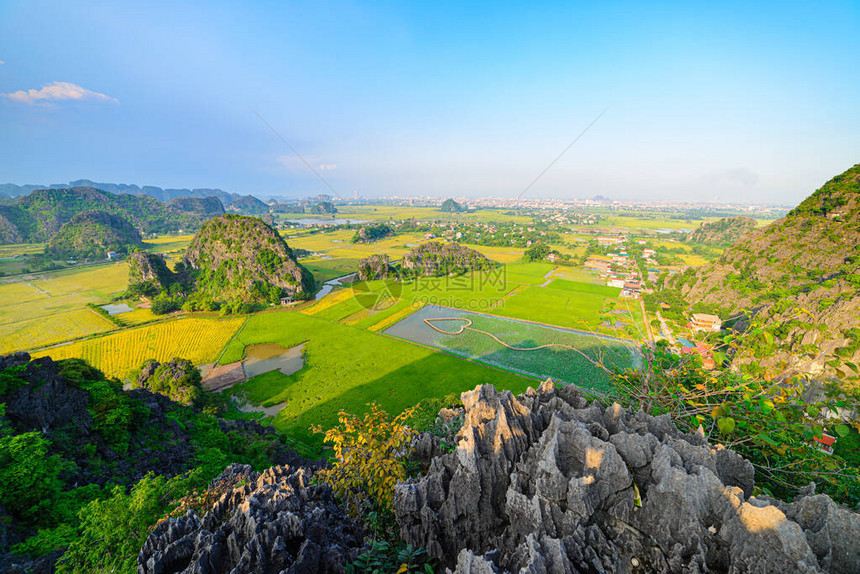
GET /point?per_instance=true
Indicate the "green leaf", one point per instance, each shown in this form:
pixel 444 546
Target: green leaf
pixel 842 430
pixel 726 425
pixel 766 438
pixel 812 411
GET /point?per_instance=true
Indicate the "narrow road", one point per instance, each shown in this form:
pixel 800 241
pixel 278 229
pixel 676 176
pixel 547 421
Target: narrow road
pixel 647 324
pixel 664 328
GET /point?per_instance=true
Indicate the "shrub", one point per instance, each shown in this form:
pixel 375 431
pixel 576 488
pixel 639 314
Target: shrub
pixel 369 458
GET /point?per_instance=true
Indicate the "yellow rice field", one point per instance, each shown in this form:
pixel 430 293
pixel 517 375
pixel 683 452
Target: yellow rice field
pixel 196 339
pixel 38 332
pixel 329 300
pixel 392 319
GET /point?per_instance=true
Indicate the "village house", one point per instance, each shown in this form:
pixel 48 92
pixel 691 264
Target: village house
pixel 606 241
pixel 825 443
pixel 706 322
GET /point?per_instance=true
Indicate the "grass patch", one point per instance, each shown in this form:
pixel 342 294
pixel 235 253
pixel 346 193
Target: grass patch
pixel 346 368
pixel 579 287
pixel 328 269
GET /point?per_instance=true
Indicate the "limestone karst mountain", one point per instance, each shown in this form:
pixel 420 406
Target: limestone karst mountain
pixel 800 278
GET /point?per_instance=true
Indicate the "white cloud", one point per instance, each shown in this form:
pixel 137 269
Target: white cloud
pixel 294 163
pixel 56 91
pixel 2 62
pixel 739 176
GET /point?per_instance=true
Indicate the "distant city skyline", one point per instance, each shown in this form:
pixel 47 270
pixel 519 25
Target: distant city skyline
pixel 729 103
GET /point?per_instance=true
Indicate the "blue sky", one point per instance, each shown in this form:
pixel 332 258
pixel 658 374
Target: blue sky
pixel 750 101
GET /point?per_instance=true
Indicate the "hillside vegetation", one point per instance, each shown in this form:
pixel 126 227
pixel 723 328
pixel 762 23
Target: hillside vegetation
pixel 38 216
pixel 92 234
pixel 202 206
pixel 723 232
pixel 242 259
pixel 88 468
pixel 799 277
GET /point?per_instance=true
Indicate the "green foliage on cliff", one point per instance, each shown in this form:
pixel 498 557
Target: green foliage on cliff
pixel 722 232
pixel 371 233
pixel 178 380
pixel 39 215
pixel 57 493
pixel 772 423
pixel 92 234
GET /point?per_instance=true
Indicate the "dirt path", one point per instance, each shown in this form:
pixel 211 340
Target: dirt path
pixel 217 378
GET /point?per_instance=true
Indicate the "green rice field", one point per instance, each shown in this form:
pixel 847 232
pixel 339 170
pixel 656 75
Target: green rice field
pixel 347 368
pixel 515 345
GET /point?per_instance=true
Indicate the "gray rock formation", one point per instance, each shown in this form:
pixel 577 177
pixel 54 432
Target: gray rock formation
pixel 546 482
pixel 276 521
pixel 376 266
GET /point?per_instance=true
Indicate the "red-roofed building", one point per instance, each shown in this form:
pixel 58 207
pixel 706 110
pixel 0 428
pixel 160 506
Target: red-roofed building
pixel 825 443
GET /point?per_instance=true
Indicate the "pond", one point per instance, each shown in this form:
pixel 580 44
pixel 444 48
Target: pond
pixel 531 349
pixel 117 308
pixel 268 357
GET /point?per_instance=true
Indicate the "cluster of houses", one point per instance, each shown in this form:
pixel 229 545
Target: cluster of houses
pixel 618 269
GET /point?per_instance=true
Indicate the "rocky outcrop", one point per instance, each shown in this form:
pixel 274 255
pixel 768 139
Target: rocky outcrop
pixel 237 258
pixel 374 267
pixel 150 270
pixel 435 258
pixel 722 232
pixel 48 401
pixel 800 277
pixel 277 521
pixel 92 234
pixel 202 206
pixel 546 482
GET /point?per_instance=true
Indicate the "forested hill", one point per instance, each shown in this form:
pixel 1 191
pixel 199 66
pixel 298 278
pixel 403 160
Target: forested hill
pixel 238 258
pixel 165 195
pixel 722 232
pixel 37 217
pixel 800 277
pixel 92 234
pixel 203 206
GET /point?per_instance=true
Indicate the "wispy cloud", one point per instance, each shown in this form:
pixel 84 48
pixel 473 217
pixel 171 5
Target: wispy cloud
pixel 56 91
pixel 739 176
pixel 294 163
pixel 2 62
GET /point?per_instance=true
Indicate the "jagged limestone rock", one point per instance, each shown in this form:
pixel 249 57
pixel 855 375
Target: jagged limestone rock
pixel 546 482
pixel 276 521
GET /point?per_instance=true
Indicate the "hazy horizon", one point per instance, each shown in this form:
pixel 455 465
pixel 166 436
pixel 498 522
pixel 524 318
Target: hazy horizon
pixel 728 103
